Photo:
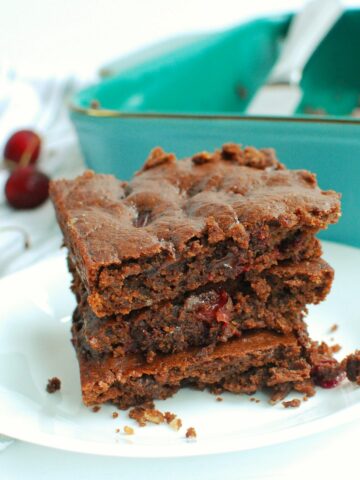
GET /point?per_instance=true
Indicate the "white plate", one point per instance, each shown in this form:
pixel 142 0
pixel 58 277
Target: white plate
pixel 35 310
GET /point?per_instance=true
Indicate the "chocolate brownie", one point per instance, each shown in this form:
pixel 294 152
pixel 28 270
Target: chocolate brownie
pixel 351 365
pixel 275 299
pixel 179 225
pixel 244 365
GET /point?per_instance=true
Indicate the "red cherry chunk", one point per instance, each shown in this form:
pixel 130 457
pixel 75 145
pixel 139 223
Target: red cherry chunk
pixel 327 373
pixel 214 307
pixel 22 149
pixel 27 188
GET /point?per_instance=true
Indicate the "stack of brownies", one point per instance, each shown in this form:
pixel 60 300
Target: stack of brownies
pixel 196 273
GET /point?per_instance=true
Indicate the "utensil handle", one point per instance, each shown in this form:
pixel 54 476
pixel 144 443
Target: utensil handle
pixel 306 31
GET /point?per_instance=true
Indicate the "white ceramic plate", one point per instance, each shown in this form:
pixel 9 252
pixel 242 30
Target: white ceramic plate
pixel 35 310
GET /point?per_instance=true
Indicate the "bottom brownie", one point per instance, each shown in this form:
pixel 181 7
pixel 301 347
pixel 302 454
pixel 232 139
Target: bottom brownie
pixel 244 365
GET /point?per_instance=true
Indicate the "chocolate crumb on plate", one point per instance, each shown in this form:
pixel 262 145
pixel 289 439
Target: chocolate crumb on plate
pixel 96 408
pixel 191 433
pixel 333 328
pixel 173 421
pixel 169 417
pixel 115 415
pixel 176 424
pixel 128 430
pixel 53 385
pixel 143 415
pixel 153 416
pixel 335 348
pixel 294 403
pixel 219 399
pixel 351 365
pixel 117 430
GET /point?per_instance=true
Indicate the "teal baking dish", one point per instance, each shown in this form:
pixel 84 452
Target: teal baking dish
pixel 194 99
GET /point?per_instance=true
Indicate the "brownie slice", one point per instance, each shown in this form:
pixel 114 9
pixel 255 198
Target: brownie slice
pixel 179 225
pixel 244 365
pixel 275 299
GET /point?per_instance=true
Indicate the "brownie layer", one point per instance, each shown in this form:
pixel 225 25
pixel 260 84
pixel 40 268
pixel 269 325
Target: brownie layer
pixel 244 365
pixel 274 299
pixel 181 224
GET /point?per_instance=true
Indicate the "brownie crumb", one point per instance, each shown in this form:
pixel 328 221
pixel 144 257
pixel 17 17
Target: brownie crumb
pixel 128 430
pixel 305 398
pixel 96 408
pixel 252 399
pixel 351 365
pixel 153 416
pixel 219 399
pixel 335 348
pixel 117 430
pixel 137 414
pixel 191 433
pixel 115 415
pixel 294 403
pixel 257 400
pixel 176 424
pixel 143 415
pixel 53 385
pixel 333 328
pixel 172 420
pixel 169 417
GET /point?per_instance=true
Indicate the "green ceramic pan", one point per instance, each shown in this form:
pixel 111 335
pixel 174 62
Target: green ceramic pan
pixel 193 99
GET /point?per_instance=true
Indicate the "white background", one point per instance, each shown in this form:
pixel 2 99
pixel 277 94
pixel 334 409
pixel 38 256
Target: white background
pixel 43 38
pixel 75 36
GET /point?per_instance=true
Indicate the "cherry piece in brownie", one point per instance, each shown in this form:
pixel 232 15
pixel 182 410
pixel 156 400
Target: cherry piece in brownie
pixel 180 224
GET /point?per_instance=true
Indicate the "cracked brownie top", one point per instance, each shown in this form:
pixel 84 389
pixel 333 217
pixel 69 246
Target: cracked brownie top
pixel 173 208
pixel 171 201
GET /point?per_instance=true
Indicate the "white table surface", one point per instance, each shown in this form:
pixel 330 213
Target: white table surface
pixel 50 38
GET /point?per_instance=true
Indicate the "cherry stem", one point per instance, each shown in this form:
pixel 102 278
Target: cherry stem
pixel 25 235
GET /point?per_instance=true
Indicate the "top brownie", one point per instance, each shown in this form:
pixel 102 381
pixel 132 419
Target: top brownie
pixel 180 224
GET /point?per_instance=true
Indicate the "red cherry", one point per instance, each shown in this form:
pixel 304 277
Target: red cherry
pixel 327 373
pixel 27 188
pixel 22 149
pixel 212 307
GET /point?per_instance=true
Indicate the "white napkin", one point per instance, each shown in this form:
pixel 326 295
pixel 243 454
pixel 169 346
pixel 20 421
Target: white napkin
pixel 40 105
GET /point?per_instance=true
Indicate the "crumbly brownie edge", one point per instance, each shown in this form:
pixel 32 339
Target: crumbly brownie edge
pixel 244 365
